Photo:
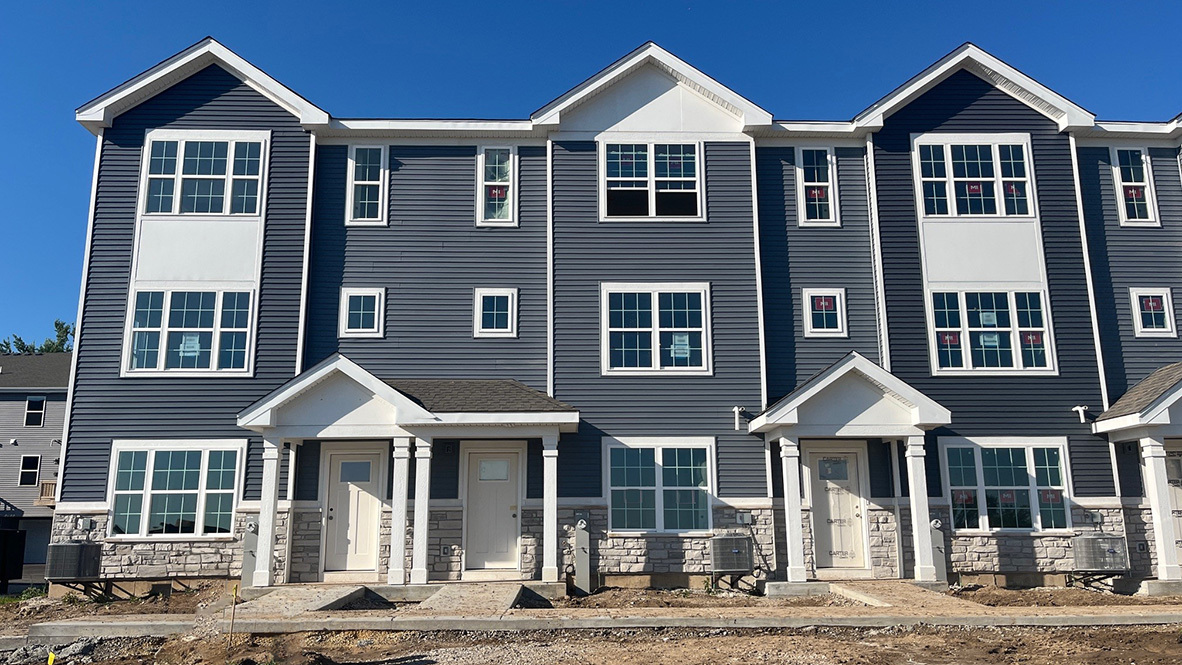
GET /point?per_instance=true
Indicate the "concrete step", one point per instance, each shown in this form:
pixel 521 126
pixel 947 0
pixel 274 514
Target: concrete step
pixel 288 601
pixel 472 599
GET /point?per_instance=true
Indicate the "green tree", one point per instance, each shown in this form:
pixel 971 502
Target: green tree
pixel 62 341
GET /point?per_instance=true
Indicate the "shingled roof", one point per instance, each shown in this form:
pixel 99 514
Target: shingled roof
pixel 1145 393
pixel 43 370
pixel 477 396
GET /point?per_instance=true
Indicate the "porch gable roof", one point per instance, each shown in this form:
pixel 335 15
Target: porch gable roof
pixel 909 407
pixel 1147 403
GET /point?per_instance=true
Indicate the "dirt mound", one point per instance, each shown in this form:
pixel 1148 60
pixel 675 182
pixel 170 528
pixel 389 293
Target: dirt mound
pixel 1055 597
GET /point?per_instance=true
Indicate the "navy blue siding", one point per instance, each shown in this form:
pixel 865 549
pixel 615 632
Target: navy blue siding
pixel 795 258
pixel 1124 257
pixel 983 406
pixel 721 251
pixel 107 407
pixel 429 259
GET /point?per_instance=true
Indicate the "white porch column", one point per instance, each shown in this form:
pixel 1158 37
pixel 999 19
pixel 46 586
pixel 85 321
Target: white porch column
pixel 550 508
pixel 917 485
pixel 397 569
pixel 268 511
pixel 1157 488
pixel 790 467
pixel 418 565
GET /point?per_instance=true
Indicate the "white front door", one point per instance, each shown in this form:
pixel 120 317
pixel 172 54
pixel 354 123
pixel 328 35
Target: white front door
pixel 493 527
pixel 837 510
pixel 354 506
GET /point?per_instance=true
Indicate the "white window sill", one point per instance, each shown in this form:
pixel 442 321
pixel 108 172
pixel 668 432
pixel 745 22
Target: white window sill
pixel 1142 223
pixel 996 372
pixel 982 533
pixel 658 372
pixel 609 220
pixel 366 222
pixel 499 223
pixel 978 218
pixel 660 534
pixel 809 334
pixel 186 374
pixel 819 224
pixel 496 333
pixel 182 538
pixel 361 335
pixel 1162 334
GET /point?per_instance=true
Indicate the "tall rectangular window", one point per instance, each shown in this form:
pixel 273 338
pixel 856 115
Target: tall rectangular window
pixel 1134 186
pixel 199 173
pixel 190 331
pixel 1153 312
pixel 663 327
pixel 30 470
pixel 495 205
pixel 1003 330
pixel 367 185
pixel 495 313
pixel 659 180
pixel 35 411
pixel 816 194
pixel 363 312
pixel 983 178
pixel 1006 486
pixel 165 491
pixel 659 487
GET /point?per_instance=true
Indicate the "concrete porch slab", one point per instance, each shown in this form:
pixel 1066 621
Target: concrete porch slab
pixel 1161 588
pixel 471 599
pixel 795 589
pixel 288 601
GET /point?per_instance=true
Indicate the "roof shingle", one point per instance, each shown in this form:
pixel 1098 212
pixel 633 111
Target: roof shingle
pixel 44 370
pixel 477 396
pixel 1145 393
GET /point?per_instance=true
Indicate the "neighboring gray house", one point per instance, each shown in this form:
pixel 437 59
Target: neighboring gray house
pixel 649 307
pixel 32 414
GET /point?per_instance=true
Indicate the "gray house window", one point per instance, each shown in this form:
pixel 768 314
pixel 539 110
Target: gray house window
pixel 30 470
pixel 214 177
pixel 185 492
pixel 651 180
pixel 990 331
pixel 190 330
pixel 661 328
pixel 663 487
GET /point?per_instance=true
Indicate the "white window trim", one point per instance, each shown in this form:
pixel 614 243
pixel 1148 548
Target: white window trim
pixel 700 170
pixel 379 316
pixel 1150 191
pixel 654 288
pixel 1052 368
pixel 1029 443
pixel 995 140
pixel 383 188
pixel 514 163
pixel 183 445
pixel 478 313
pixel 806 296
pixel 1167 306
pixel 44 409
pixel 658 443
pixel 834 220
pixel 182 135
pixel 220 288
pixel 21 470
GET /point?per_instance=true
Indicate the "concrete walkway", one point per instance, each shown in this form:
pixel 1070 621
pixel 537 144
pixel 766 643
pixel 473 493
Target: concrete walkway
pixel 471 599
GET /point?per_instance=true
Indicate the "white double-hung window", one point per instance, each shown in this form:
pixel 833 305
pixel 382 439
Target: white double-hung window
pixel 816 174
pixel 497 188
pixel 1132 175
pixel 655 328
pixel 367 195
pixel 174 488
pixel 659 484
pixel 973 176
pixel 990 331
pixel 1006 483
pixel 204 173
pixel 651 180
pixel 177 331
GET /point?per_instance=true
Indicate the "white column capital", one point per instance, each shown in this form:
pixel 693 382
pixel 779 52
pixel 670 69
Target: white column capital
pixel 915 446
pixel 550 442
pixel 1153 446
pixel 422 447
pixel 549 452
pixel 789 446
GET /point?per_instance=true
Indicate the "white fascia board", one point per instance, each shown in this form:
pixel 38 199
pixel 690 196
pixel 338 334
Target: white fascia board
pixel 344 126
pixel 813 129
pixel 1113 425
pixel 750 113
pixel 100 112
pixel 566 421
pixel 965 57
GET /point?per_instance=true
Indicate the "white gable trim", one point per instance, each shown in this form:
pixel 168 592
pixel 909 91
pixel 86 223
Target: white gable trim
pixel 1008 79
pixel 749 113
pixel 926 413
pixel 100 112
pixel 1156 414
pixel 262 413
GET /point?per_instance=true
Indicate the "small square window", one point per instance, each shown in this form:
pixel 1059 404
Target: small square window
pixel 1153 312
pixel 362 312
pixel 824 312
pixel 495 313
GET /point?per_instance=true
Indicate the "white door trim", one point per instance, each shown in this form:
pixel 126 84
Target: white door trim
pixel 466 448
pixel 327 450
pixel 811 448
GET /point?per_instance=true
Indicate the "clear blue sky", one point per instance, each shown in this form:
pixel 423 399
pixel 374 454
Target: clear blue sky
pixel 504 60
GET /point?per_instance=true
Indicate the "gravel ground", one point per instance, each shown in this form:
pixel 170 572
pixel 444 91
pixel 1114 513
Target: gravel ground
pixel 1055 597
pixel 612 598
pixel 920 646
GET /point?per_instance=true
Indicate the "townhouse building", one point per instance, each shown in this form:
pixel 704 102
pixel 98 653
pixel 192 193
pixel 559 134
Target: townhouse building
pixel 400 351
pixel 32 413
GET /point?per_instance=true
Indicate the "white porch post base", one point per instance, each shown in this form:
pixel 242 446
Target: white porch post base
pixel 397 569
pixel 790 468
pixel 550 508
pixel 418 566
pixel 1157 488
pixel 268 510
pixel 917 484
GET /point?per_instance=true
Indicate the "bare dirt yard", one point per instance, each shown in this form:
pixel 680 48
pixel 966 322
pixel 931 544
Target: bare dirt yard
pixel 918 646
pixel 612 598
pixel 1055 597
pixel 17 616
